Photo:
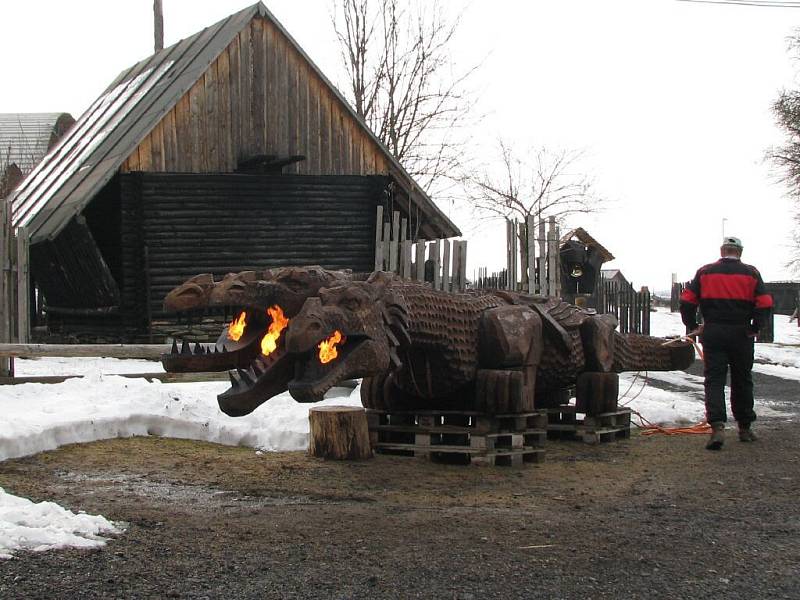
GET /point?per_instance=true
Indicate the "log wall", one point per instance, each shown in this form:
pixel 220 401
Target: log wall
pixel 176 226
pixel 260 96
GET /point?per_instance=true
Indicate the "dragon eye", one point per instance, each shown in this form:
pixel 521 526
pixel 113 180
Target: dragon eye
pixel 293 284
pixel 351 303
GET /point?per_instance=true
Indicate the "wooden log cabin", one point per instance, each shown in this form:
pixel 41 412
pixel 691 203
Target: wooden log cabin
pixel 229 150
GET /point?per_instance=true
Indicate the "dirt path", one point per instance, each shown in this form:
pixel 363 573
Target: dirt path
pixel 645 518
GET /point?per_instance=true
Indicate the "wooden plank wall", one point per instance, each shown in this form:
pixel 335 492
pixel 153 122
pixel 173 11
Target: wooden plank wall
pixel 259 97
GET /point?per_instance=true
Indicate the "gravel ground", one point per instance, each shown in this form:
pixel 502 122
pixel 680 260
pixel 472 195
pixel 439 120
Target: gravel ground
pixel 649 517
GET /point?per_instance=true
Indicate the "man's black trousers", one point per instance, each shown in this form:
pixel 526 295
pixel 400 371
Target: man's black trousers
pixel 725 345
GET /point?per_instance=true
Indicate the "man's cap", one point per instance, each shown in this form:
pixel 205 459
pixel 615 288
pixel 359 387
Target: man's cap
pixel 733 242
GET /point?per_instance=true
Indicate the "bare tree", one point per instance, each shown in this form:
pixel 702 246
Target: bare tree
pixel 542 183
pixel 538 183
pixel 403 82
pixel 787 157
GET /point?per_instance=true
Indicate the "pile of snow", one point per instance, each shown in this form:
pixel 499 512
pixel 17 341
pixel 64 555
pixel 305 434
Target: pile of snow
pixel 25 525
pixel 41 417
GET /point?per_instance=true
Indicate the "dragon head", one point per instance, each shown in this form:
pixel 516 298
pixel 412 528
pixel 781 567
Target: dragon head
pixel 192 294
pixel 253 295
pixel 279 294
pixel 353 329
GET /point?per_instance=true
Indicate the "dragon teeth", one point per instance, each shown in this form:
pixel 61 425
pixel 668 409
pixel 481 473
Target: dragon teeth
pixel 234 381
pixel 245 376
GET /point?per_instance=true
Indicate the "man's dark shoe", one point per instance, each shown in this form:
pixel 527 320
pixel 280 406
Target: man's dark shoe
pixel 717 437
pixel 746 434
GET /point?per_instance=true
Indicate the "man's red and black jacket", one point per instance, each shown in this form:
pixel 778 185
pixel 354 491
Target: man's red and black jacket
pixel 729 292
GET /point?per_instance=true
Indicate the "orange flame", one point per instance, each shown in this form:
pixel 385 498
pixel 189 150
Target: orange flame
pixel 236 327
pixel 279 322
pixel 327 348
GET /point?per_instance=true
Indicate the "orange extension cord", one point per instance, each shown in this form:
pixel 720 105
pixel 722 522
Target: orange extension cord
pixel 648 428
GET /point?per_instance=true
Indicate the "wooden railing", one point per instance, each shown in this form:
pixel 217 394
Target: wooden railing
pixel 442 262
pixel 9 352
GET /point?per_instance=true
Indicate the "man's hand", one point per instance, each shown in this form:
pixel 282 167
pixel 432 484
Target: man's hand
pixel 696 332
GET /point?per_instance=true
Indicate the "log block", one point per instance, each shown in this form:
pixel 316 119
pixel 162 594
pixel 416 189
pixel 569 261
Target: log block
pixel 339 432
pixel 596 393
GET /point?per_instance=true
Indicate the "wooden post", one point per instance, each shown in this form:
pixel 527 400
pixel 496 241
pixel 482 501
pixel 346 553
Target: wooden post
pixel 379 239
pixel 420 261
pixel 557 260
pixel 543 290
pixel 552 252
pixel 405 259
pixel 394 248
pixel 530 229
pixel 23 286
pixel 387 242
pixel 158 25
pixel 338 432
pixel 446 266
pixel 455 284
pixel 511 254
pixel 6 363
pixel 462 267
pixel 508 244
pixel 436 257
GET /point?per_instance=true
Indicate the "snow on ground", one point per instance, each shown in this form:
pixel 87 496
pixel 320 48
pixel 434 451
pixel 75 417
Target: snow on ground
pixel 780 359
pixel 25 525
pixel 99 405
pixel 45 416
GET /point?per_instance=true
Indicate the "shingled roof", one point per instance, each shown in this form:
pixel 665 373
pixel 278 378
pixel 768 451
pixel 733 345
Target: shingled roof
pixel 67 179
pixel 583 237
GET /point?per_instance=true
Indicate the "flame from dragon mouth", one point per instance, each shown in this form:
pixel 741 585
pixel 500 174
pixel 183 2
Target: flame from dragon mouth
pixel 237 326
pixel 279 322
pixel 327 348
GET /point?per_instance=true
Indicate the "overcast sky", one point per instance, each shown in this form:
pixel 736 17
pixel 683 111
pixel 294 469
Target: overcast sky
pixel 670 100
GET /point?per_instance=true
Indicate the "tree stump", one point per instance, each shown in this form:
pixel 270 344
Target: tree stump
pixel 339 432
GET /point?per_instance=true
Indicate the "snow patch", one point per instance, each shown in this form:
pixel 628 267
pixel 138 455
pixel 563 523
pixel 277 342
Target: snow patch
pixel 39 526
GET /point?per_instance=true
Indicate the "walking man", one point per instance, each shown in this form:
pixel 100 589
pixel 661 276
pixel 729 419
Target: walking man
pixel 734 306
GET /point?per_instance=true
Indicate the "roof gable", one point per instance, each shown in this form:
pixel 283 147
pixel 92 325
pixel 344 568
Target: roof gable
pixel 129 109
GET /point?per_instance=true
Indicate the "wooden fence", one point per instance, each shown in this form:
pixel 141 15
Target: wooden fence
pixel 443 262
pixel 631 308
pixel 15 286
pixel 532 259
pixel 140 351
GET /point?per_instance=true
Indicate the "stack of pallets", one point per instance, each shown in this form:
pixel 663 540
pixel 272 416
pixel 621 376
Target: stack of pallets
pixel 564 422
pixel 460 437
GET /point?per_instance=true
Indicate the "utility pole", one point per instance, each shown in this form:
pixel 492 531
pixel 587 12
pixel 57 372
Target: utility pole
pixel 158 25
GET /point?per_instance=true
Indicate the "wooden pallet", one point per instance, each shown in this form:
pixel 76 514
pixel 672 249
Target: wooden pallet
pixel 459 437
pixel 564 423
